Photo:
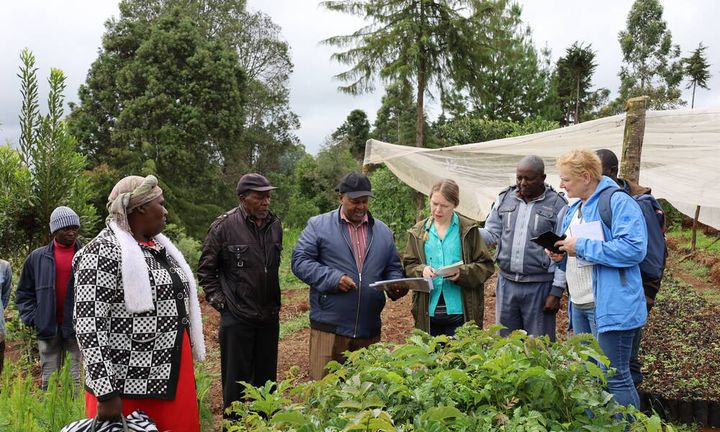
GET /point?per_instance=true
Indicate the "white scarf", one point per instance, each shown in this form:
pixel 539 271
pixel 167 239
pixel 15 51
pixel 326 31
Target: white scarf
pixel 136 283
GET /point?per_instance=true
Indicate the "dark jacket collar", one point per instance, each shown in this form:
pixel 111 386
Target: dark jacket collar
pixel 338 217
pixel 270 219
pixel 50 248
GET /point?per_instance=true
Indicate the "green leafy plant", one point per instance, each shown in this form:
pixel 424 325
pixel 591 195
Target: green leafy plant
pixel 44 172
pixel 393 203
pixel 475 381
pixel 190 247
pixel 287 278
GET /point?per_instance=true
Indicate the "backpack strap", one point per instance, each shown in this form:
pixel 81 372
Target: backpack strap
pixel 606 216
pixel 656 209
pixel 604 205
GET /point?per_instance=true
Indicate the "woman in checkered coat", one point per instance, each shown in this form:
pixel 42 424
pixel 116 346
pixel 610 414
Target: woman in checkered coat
pixel 137 316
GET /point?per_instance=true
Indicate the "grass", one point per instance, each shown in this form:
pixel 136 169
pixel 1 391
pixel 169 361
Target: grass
pixel 711 295
pixel 706 243
pixel 25 407
pixel 204 381
pixel 710 247
pixel 295 324
pixel 287 278
pixel 694 268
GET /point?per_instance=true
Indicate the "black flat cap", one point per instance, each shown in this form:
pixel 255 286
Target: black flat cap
pixel 253 182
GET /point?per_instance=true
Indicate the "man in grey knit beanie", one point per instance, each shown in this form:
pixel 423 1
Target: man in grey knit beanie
pixel 45 295
pixel 63 217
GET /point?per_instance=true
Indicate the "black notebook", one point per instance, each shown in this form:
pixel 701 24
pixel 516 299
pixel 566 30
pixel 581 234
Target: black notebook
pixel 548 240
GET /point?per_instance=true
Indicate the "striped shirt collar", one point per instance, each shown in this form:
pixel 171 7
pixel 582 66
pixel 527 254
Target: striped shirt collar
pixel 344 218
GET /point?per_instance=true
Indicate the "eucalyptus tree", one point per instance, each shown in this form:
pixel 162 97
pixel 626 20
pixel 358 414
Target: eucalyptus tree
pixel 652 65
pixel 265 57
pixel 697 69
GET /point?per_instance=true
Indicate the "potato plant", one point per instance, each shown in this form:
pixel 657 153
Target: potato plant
pixel 477 381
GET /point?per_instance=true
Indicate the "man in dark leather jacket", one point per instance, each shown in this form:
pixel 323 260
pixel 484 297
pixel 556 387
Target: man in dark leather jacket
pixel 238 271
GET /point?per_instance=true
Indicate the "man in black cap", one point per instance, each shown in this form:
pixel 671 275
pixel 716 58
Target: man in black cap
pixel 339 254
pixel 238 271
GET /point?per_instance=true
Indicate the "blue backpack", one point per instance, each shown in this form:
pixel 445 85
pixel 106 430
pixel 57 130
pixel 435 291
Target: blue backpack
pixel 653 266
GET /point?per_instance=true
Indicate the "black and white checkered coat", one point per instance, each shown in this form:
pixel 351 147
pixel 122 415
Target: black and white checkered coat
pixel 133 355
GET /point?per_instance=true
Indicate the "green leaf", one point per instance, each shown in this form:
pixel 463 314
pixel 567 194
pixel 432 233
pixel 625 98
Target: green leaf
pixel 293 418
pixel 442 413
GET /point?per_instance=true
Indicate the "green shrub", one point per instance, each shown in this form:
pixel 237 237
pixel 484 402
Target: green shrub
pixel 287 279
pixel 299 211
pixel 467 130
pixel 477 381
pixel 393 203
pixel 190 247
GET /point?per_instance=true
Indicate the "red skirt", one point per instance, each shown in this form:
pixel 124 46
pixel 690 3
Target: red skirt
pixel 178 415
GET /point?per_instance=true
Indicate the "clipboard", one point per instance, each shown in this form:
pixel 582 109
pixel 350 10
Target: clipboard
pixel 414 284
pixel 448 269
pixel 548 240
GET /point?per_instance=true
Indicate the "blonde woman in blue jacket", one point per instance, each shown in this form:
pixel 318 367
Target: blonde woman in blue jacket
pixel 614 274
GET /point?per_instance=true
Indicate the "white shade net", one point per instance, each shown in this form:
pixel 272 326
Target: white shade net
pixel 680 160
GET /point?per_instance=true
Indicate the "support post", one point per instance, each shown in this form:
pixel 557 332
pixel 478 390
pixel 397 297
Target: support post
pixel 693 242
pixel 633 138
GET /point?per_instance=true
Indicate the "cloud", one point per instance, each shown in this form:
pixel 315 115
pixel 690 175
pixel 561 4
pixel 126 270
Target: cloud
pixel 68 34
pixel 61 34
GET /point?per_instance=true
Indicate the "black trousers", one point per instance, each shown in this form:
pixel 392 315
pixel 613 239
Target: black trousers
pixel 248 352
pixel 444 324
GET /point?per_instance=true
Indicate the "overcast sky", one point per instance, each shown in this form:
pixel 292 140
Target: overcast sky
pixel 67 35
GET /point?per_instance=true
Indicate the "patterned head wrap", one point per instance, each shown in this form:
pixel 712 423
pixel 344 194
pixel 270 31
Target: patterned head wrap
pixel 128 194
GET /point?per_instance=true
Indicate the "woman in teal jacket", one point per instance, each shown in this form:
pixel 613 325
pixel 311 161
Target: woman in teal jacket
pixel 442 239
pixel 616 284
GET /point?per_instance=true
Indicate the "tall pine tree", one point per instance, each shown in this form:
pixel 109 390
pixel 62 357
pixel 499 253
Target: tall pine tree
pixel 426 42
pixel 697 69
pixel 575 70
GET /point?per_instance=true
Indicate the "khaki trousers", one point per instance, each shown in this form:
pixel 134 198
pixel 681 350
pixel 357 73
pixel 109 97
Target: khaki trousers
pixel 325 347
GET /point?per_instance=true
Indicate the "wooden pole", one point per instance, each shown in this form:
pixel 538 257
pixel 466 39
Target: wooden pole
pixel 693 242
pixel 633 138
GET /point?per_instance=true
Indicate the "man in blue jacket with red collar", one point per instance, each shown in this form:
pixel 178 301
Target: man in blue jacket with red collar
pixel 339 254
pixel 45 295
